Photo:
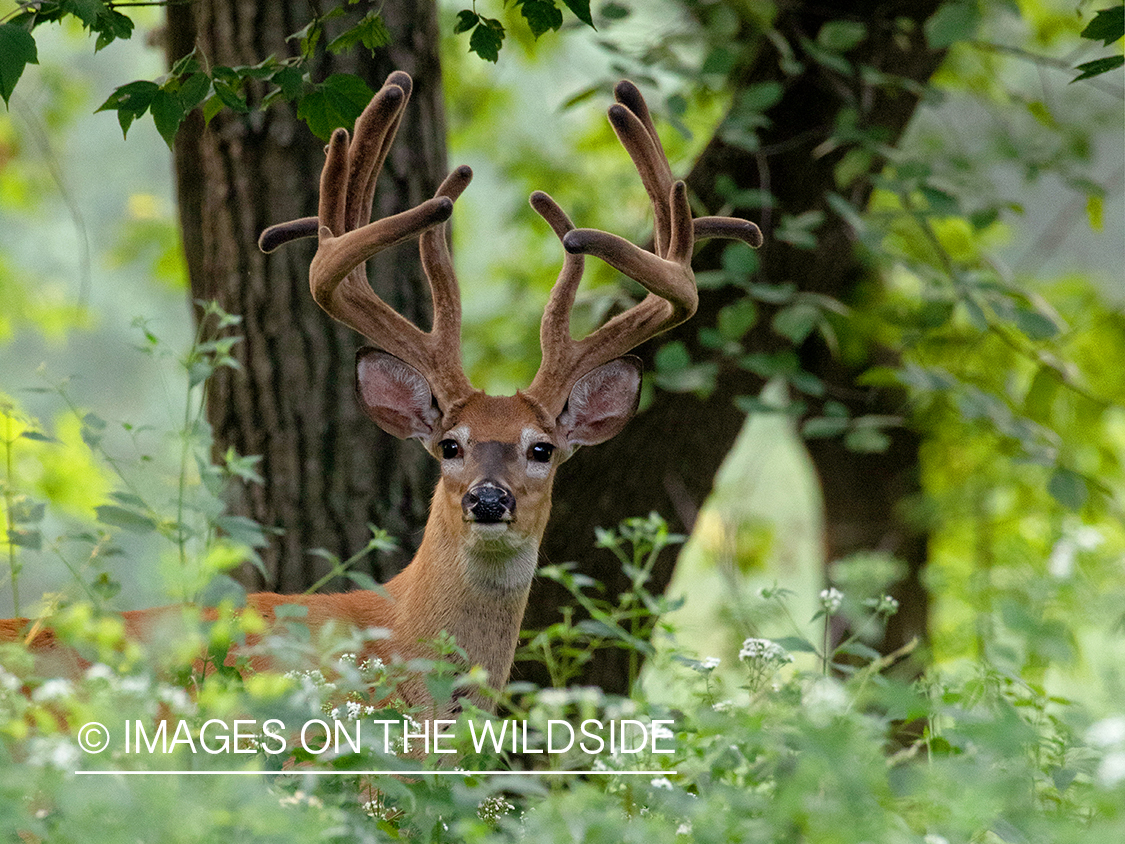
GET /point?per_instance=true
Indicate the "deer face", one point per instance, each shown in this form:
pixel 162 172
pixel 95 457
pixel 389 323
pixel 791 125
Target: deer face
pixel 498 454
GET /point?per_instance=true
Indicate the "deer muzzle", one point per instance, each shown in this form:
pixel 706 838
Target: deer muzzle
pixel 489 502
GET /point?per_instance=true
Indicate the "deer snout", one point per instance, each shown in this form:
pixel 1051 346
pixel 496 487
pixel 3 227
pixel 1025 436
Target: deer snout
pixel 489 503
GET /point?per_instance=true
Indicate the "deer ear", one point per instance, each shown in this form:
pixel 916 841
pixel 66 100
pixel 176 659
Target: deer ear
pixel 394 394
pixel 601 402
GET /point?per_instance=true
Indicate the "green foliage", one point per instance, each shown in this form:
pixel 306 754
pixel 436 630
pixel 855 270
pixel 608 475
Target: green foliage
pixel 1107 26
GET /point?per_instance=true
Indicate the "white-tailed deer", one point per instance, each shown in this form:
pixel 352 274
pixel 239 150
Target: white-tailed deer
pixel 498 455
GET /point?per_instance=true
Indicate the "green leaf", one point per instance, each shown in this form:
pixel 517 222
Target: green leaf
pixel 1098 67
pixel 839 36
pixel 795 644
pixel 167 113
pixel 487 38
pixel 951 23
pixel 25 538
pixel 796 322
pixel 466 20
pixel 229 97
pixel 130 520
pixel 1035 324
pixel 111 26
pixel 866 441
pixel 37 436
pixel 334 103
pixel 130 101
pixel 17 50
pixel 823 427
pixel 737 318
pixel 193 91
pixel 581 9
pixel 1107 26
pixel 371 32
pixel 1068 488
pixel 541 16
pixel 615 11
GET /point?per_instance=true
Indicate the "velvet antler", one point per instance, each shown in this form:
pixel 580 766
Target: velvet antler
pixel 665 272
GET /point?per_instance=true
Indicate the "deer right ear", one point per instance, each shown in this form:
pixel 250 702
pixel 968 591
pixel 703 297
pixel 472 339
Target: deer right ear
pixel 601 402
pixel 394 394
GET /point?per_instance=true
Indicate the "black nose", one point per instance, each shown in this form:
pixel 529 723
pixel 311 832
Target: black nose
pixel 489 503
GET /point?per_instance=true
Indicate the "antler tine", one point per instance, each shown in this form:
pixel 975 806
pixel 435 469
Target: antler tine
pixel 554 330
pixel 665 272
pixel 375 131
pixel 633 126
pixel 336 277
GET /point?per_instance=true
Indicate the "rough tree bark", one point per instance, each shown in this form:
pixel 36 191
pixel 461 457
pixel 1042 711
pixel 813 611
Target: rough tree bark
pixel 666 458
pixel 329 471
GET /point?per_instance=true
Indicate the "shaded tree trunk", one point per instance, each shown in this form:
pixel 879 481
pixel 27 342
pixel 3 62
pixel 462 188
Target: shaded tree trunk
pixel 666 459
pixel 329 471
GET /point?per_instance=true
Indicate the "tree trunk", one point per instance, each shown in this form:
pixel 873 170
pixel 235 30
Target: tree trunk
pixel 666 458
pixel 329 471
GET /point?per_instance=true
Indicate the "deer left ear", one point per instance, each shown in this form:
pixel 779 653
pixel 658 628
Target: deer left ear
pixel 601 402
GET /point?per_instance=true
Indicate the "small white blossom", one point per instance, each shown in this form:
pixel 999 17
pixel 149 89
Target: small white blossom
pixel 1111 771
pixel 684 828
pixel 764 650
pixel 300 798
pixel 136 685
pixel 101 671
pixel 1108 732
pixel 723 705
pixel 53 752
pixel 493 808
pixel 762 658
pixel 710 663
pixel 660 732
pixel 823 700
pixel 53 689
pixel 554 698
pixel 662 782
pixel 831 599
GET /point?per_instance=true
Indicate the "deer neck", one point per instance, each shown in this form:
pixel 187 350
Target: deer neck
pixel 471 587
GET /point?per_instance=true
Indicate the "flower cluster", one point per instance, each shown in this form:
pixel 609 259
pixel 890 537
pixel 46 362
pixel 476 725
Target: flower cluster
pixel 762 658
pixel 831 599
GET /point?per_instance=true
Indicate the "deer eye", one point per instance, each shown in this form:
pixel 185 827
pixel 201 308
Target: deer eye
pixel 540 452
pixel 450 450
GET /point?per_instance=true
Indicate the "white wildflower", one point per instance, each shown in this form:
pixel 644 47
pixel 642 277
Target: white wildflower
pixel 710 663
pixel 101 671
pixel 886 605
pixel 53 752
pixel 300 798
pixel 763 649
pixel 684 828
pixel 662 782
pixel 1108 732
pixel 762 658
pixel 831 599
pixel 491 809
pixel 554 698
pixel 723 705
pixel 823 700
pixel 1111 771
pixel 136 685
pixel 53 689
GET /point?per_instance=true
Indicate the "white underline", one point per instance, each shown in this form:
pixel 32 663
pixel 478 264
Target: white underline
pixel 316 773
